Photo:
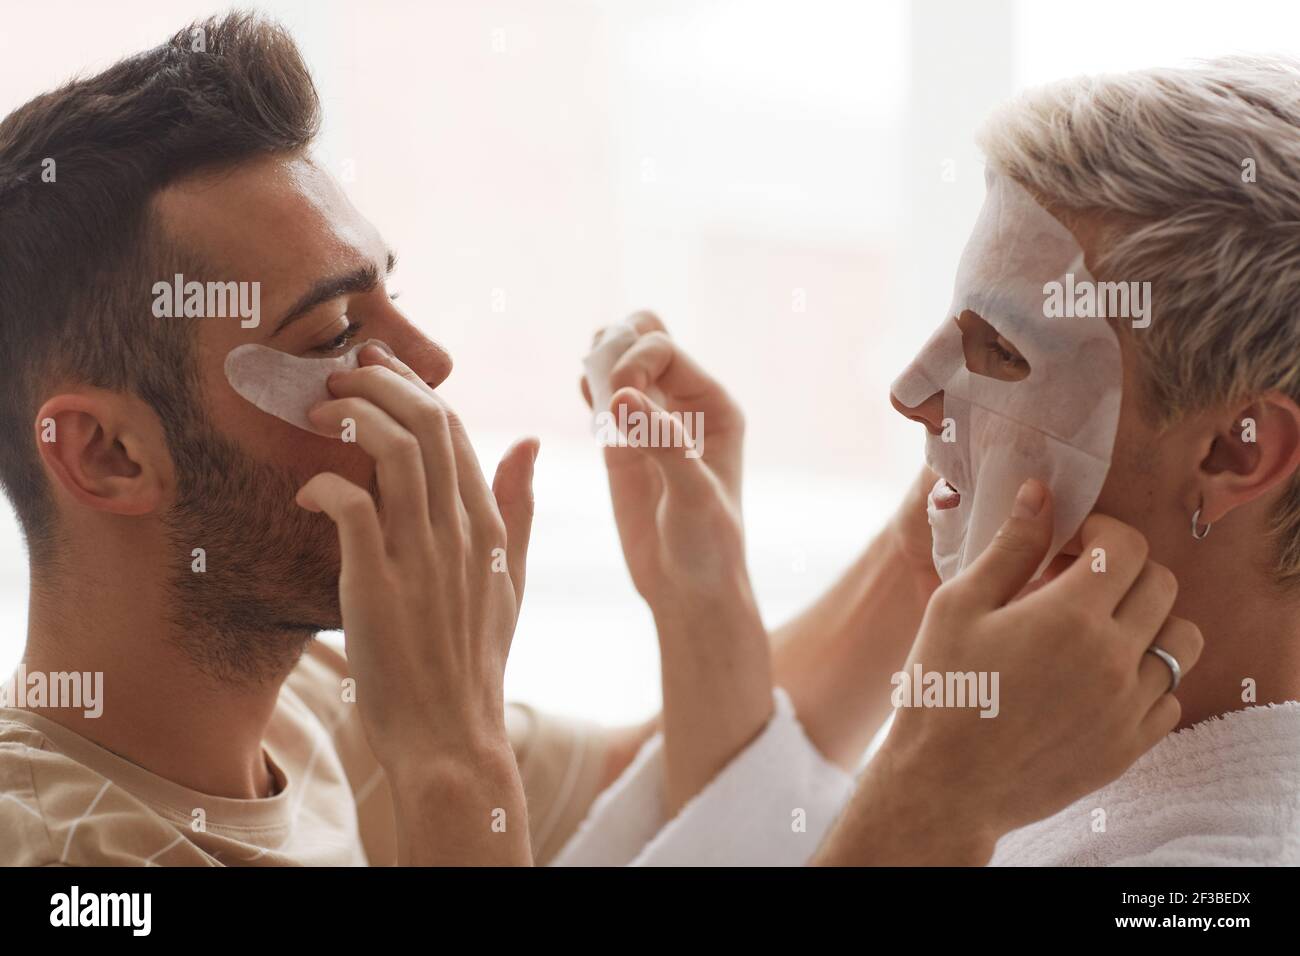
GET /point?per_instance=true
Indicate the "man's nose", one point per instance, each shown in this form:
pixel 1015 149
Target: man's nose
pixel 427 359
pixel 929 413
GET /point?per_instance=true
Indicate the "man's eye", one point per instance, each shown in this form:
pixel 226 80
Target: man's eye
pixel 987 353
pixel 1004 356
pixel 339 342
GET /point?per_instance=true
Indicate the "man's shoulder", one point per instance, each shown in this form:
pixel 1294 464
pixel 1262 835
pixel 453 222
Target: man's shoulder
pixel 46 796
pixel 28 761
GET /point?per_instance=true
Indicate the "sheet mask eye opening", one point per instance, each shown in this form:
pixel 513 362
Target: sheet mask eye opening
pixel 989 353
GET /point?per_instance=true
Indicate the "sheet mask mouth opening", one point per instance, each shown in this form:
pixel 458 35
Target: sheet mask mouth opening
pixel 944 496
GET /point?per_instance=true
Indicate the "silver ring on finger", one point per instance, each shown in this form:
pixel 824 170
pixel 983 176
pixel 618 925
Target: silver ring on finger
pixel 1175 672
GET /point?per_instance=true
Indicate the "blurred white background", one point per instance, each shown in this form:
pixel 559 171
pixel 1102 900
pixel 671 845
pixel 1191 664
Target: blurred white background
pixel 788 184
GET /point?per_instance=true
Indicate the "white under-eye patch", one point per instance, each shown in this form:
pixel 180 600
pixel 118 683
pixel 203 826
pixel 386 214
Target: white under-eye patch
pixel 612 342
pixel 285 385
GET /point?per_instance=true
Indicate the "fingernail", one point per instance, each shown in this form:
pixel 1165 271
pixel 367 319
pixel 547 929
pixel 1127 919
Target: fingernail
pixel 1029 499
pixel 380 354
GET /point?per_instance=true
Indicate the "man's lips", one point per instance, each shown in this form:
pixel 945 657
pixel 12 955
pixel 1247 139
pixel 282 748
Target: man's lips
pixel 944 496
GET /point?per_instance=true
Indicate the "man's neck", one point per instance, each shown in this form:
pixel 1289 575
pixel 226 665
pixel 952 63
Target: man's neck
pixel 160 710
pixel 1251 631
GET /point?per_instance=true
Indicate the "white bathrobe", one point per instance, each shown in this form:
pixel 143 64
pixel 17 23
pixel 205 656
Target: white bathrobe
pixel 1224 792
pixel 770 806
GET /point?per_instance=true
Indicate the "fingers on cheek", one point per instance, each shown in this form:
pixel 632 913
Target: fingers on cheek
pixel 344 423
pixel 324 410
pixel 334 419
pixel 352 381
pixel 388 363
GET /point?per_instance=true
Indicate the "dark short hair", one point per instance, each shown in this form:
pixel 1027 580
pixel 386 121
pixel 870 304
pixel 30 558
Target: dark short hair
pixel 79 254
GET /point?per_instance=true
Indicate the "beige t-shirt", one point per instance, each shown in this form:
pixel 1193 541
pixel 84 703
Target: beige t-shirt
pixel 66 801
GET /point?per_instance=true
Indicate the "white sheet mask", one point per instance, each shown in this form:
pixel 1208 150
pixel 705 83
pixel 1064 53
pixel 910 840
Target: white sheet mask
pixel 610 345
pixel 1057 424
pixel 285 385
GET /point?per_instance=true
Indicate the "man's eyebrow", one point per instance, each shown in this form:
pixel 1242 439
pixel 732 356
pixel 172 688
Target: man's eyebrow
pixel 362 279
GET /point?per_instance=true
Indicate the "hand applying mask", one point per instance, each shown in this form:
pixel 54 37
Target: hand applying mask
pixel 427 617
pixel 679 521
pixel 1078 699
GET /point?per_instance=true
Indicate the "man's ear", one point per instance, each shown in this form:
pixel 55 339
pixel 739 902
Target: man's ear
pixel 105 449
pixel 1258 449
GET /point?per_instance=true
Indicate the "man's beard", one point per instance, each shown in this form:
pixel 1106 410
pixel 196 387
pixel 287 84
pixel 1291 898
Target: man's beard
pixel 272 568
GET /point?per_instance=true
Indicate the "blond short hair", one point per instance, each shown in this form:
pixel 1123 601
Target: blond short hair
pixel 1195 174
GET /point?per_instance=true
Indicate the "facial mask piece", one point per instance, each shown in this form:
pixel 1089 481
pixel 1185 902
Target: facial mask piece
pixel 1056 424
pixel 285 385
pixel 612 342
